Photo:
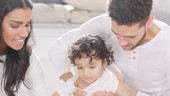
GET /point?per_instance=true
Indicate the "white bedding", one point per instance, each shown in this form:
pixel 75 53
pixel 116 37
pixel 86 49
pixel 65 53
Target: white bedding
pixel 54 25
pixel 44 34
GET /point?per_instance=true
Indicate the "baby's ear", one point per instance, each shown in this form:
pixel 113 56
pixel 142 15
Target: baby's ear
pixel 105 63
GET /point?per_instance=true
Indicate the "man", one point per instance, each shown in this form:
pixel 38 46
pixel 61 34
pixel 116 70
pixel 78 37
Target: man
pixel 140 44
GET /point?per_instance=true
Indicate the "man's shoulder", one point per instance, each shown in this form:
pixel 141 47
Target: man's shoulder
pixel 105 15
pixel 161 24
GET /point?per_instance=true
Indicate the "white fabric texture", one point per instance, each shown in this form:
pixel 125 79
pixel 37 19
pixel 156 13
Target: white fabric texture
pixel 149 72
pixel 88 4
pixel 34 80
pixel 101 84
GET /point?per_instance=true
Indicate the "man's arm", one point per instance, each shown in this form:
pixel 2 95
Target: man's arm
pixel 122 89
pixel 58 49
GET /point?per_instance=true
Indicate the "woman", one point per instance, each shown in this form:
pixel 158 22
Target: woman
pixel 20 71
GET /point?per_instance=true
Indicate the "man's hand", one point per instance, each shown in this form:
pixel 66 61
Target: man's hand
pixel 123 89
pixel 79 92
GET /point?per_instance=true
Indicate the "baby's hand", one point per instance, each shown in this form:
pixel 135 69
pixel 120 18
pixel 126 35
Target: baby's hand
pixel 79 92
pixel 103 93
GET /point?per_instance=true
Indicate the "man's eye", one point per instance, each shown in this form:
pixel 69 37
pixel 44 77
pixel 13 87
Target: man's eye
pixel 129 36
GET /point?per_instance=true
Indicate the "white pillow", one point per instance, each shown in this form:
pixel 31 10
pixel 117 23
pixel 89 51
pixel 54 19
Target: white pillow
pixel 95 5
pixel 78 16
pixel 49 1
pixel 81 16
pixel 48 13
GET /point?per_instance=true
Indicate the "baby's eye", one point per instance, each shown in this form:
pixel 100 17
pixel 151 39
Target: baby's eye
pixel 92 67
pixel 79 68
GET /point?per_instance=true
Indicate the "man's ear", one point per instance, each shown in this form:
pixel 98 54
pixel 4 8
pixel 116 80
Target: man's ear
pixel 149 22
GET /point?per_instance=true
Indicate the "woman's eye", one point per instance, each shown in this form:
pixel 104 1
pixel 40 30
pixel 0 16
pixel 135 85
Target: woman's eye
pixel 14 26
pixel 28 25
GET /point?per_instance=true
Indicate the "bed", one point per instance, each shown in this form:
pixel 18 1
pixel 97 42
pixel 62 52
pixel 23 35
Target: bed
pixel 52 18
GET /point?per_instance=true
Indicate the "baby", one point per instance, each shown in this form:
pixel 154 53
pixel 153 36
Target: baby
pixel 90 56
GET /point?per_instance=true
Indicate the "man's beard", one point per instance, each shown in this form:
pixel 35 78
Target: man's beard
pixel 138 43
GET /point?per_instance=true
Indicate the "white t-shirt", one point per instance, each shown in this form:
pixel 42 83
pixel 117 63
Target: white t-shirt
pixel 107 82
pixel 145 68
pixel 34 79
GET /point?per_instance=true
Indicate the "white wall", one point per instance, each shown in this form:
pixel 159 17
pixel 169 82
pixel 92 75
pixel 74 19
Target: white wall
pixel 161 10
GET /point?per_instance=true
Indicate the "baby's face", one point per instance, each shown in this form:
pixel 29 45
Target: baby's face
pixel 89 71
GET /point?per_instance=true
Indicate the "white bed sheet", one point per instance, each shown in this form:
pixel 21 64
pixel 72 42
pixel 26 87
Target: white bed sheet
pixel 44 34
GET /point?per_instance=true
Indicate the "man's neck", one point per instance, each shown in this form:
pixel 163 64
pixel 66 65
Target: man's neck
pixel 150 34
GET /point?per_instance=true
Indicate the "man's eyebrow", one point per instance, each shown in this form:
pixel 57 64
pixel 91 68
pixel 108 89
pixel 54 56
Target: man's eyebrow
pixel 121 35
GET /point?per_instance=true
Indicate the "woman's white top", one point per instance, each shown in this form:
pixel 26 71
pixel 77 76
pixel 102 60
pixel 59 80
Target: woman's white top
pixel 34 79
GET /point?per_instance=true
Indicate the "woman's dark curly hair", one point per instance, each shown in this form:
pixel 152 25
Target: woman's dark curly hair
pixel 17 61
pixel 128 12
pixel 92 46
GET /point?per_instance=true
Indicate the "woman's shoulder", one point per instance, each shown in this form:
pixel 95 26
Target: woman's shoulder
pixel 34 63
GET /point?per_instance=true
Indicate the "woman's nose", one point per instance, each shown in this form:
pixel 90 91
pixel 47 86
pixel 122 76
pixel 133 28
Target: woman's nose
pixel 24 32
